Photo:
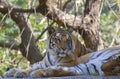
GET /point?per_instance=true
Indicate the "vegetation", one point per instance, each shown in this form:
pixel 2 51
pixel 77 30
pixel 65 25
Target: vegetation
pixel 10 34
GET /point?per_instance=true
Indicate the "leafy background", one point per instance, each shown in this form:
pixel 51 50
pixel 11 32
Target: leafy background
pixel 9 32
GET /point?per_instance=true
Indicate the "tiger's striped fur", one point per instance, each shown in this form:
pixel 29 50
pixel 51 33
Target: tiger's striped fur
pixel 64 57
pixel 63 49
pixel 103 62
pixel 96 61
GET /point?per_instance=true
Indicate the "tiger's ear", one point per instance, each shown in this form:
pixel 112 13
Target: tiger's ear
pixel 51 30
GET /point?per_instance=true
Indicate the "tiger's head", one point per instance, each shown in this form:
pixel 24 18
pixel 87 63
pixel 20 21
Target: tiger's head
pixel 60 43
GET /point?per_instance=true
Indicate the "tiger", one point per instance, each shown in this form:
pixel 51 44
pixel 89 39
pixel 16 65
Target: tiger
pixel 63 49
pixel 65 57
pixel 104 62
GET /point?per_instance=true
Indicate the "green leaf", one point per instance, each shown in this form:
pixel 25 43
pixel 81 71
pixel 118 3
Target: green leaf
pixel 116 1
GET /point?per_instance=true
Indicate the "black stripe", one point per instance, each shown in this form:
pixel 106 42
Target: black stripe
pixel 71 44
pixel 95 69
pixel 80 68
pixel 85 51
pixel 87 68
pixel 71 41
pixel 46 64
pixel 107 59
pixel 49 59
pixel 50 43
pixel 111 51
pixel 108 50
pixel 98 54
pixel 101 52
pixel 59 60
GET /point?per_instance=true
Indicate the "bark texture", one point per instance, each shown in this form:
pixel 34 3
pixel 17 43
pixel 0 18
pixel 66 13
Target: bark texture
pixel 87 25
pixel 90 24
pixel 28 46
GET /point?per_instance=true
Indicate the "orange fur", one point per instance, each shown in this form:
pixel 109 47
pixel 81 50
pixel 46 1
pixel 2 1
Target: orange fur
pixel 77 55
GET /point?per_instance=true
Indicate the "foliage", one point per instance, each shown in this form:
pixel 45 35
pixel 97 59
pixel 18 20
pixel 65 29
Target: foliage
pixel 109 24
pixel 9 33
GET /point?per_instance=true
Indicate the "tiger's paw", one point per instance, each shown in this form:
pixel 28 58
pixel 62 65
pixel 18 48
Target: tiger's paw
pixel 11 72
pixel 48 72
pixel 52 72
pixel 21 74
pixel 56 72
pixel 38 73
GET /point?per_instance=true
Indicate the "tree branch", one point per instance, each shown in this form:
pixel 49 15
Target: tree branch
pixel 28 46
pixel 63 19
pixel 44 31
pixel 9 45
pixel 17 9
pixel 53 13
pixel 56 13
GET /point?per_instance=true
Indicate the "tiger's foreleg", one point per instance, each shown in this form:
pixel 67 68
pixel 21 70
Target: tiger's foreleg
pixel 22 74
pixel 17 73
pixel 112 67
pixel 52 72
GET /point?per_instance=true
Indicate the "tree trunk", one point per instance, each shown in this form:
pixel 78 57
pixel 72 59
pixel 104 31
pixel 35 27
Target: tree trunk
pixel 28 46
pixel 87 25
pixel 89 29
